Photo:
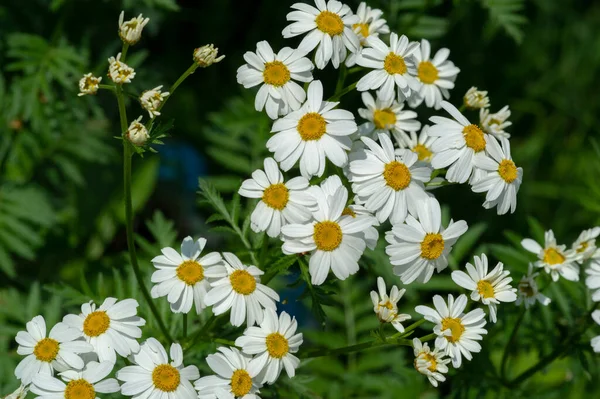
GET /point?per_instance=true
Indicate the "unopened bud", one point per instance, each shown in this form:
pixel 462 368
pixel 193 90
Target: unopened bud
pixel 88 84
pixel 475 99
pixel 131 31
pixel 207 55
pixel 137 133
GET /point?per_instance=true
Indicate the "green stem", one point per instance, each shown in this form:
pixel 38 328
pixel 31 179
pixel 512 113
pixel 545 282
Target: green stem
pixel 108 87
pixel 509 343
pixel 428 337
pixel 341 78
pixel 203 331
pixel 409 329
pixel 223 341
pixel 124 52
pixel 320 352
pixel 343 92
pixel 354 70
pixel 185 325
pixel 462 108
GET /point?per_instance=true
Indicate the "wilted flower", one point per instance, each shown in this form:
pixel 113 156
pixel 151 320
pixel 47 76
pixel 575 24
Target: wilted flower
pixel 118 71
pixel 137 132
pixel 207 55
pixel 88 84
pixel 475 99
pixel 152 99
pixel 131 31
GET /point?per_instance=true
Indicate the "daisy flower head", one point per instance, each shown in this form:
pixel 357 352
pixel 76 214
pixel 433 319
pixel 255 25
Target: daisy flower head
pixel 233 379
pixel 207 55
pixel 59 350
pixel 502 179
pixel 118 71
pixel 392 65
pixel 111 328
pixel 77 384
pixel 137 133
pixel 437 76
pixel 528 292
pixel 151 100
pixel 417 248
pixel 585 245
pixel 183 277
pixel 280 202
pixel 272 344
pixel 476 99
pixel 369 24
pixel 328 26
pixel 276 73
pixel 555 259
pixel 431 363
pixel 596 340
pixel 459 143
pixel 389 183
pixel 495 124
pixel 152 376
pixel 313 133
pixel 421 144
pixel 335 241
pixel 238 288
pixel 131 31
pixel 457 332
pixel 489 288
pixel 592 281
pixel 89 84
pixel 386 307
pixel 19 393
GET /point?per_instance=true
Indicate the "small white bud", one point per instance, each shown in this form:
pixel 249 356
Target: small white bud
pixel 131 31
pixel 88 84
pixel 137 133
pixel 152 99
pixel 495 123
pixel 207 55
pixel 118 71
pixel 475 99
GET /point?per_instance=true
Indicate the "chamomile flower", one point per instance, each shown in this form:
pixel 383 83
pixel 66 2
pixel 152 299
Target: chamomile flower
pixel 418 248
pixel 489 288
pixel 369 24
pixel 112 328
pixel 151 100
pixel 431 363
pixel 335 241
pixel 153 377
pixel 437 76
pixel 421 145
pixel 137 133
pixel 276 73
pixel 183 277
pixel 89 84
pixel 272 345
pixel 457 332
pixel 233 379
pixel 386 307
pixel 460 142
pixel 131 31
pixel 585 245
pixel 207 55
pixel 311 134
pixel 393 65
pixel 329 26
pixel 476 99
pixel 84 384
pixel 43 354
pixel 592 281
pixel 495 123
pixel 555 259
pixel 19 393
pixel 503 179
pixel 280 202
pixel 388 184
pixel 118 71
pixel 240 290
pixel 528 292
pixel 596 340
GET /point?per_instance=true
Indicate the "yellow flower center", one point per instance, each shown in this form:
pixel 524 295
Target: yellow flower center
pixel 432 246
pixel 485 289
pixel 277 345
pixel 276 196
pixel 348 212
pixel 96 323
pixel 166 378
pixel 311 126
pixel 190 272
pixel 553 257
pixel 327 235
pixel 362 28
pixel 330 23
pixel 507 170
pixel 394 63
pixel 46 350
pixel 79 389
pixel 242 282
pixel 384 118
pixel 387 305
pixel 427 72
pixel 474 138
pixel 431 359
pixel 396 175
pixel 422 152
pixel 276 73
pixel 241 383
pixel 582 247
pixel 90 82
pixel 455 326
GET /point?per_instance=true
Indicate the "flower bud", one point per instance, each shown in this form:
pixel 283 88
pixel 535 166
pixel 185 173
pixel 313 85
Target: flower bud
pixel 131 31
pixel 152 99
pixel 118 71
pixel 88 84
pixel 137 133
pixel 475 99
pixel 207 55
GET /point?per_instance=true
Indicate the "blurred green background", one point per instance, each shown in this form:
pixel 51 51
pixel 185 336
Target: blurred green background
pixel 61 217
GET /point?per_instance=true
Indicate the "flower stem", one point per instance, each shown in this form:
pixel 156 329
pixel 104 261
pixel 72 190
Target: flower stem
pixel 342 92
pixel 409 329
pixel 320 352
pixel 341 78
pixel 428 337
pixel 124 52
pixel 509 343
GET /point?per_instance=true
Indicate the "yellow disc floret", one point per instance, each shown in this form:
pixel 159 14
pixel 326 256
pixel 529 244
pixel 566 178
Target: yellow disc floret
pixel 79 389
pixel 276 73
pixel 190 272
pixel 277 345
pixel 276 196
pixel 396 175
pixel 432 246
pixel 166 378
pixel 241 383
pixel 394 64
pixel 456 327
pixel 312 126
pixel 507 170
pixel 96 323
pixel 474 138
pixel 242 282
pixel 330 23
pixel 327 235
pixel 427 72
pixel 46 350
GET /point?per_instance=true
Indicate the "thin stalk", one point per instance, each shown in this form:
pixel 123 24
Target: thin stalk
pixel 203 331
pixel 343 92
pixel 428 337
pixel 409 329
pixel 320 352
pixel 341 78
pixel 124 52
pixel 509 343
pixel 185 325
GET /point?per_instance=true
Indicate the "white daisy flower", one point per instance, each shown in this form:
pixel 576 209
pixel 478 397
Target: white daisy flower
pixel 89 84
pixel 495 124
pixel 335 241
pixel 437 76
pixel 457 332
pixel 151 100
pixel 118 71
pixel 555 259
pixel 113 327
pixel 387 183
pixel 19 393
pixel 240 290
pixel 207 55
pixel 131 31
pixel 475 99
pixel 153 377
pixel 460 142
pixel 329 26
pixel 369 24
pixel 503 179
pixel 489 288
pixel 137 133
pixel 276 74
pixel 418 248
pixel 58 351
pixel 430 362
pixel 596 340
pixel 83 384
pixel 280 202
pixel 585 245
pixel 393 65
pixel 272 345
pixel 422 144
pixel 233 379
pixel 314 132
pixel 386 116
pixel 592 281
pixel 182 278
pixel 528 292
pixel 386 307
